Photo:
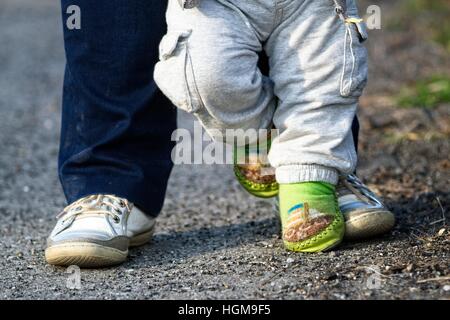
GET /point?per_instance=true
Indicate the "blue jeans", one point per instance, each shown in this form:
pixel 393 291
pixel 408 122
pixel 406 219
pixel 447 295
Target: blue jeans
pixel 116 125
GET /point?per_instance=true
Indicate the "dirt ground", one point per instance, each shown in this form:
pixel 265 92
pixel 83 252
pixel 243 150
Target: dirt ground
pixel 213 240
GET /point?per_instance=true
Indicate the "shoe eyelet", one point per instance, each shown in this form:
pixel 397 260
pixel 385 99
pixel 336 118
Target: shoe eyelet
pixel 116 219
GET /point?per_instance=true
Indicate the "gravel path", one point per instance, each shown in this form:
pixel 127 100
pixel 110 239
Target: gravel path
pixel 211 242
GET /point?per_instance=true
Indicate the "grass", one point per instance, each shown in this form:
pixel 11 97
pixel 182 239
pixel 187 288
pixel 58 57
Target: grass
pixel 427 93
pixel 429 19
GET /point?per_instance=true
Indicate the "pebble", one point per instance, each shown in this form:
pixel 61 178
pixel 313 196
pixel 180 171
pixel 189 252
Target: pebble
pixel 290 260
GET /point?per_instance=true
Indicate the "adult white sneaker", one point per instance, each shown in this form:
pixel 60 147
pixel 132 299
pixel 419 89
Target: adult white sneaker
pixel 96 231
pixel 365 215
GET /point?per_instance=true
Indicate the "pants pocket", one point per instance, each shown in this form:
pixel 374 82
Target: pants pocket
pixel 354 69
pixel 174 73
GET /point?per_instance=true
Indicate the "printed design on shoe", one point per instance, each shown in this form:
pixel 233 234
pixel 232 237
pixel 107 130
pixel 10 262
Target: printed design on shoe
pixel 305 222
pixel 257 171
pixel 252 164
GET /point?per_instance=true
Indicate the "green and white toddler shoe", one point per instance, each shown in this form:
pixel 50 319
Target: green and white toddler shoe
pixel 310 217
pixel 253 171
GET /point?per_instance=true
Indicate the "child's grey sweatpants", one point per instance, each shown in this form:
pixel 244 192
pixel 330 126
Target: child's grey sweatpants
pixel 318 69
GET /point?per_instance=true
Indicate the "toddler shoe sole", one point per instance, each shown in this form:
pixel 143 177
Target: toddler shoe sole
pixel 360 225
pixel 260 190
pixel 368 224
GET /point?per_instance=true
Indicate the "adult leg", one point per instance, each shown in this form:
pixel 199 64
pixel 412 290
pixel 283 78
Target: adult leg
pixel 116 124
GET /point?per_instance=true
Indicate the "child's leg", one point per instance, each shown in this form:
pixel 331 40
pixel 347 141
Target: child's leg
pixel 319 67
pixel 209 68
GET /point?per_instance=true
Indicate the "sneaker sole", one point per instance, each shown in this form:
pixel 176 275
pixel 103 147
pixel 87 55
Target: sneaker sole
pixel 91 255
pixel 84 255
pixel 141 239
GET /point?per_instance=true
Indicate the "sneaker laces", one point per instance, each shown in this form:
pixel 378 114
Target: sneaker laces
pixel 352 183
pixel 107 205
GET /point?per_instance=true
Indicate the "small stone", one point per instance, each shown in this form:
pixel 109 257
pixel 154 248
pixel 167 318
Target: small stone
pixel 409 267
pixel 446 287
pixel 290 260
pixel 441 232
